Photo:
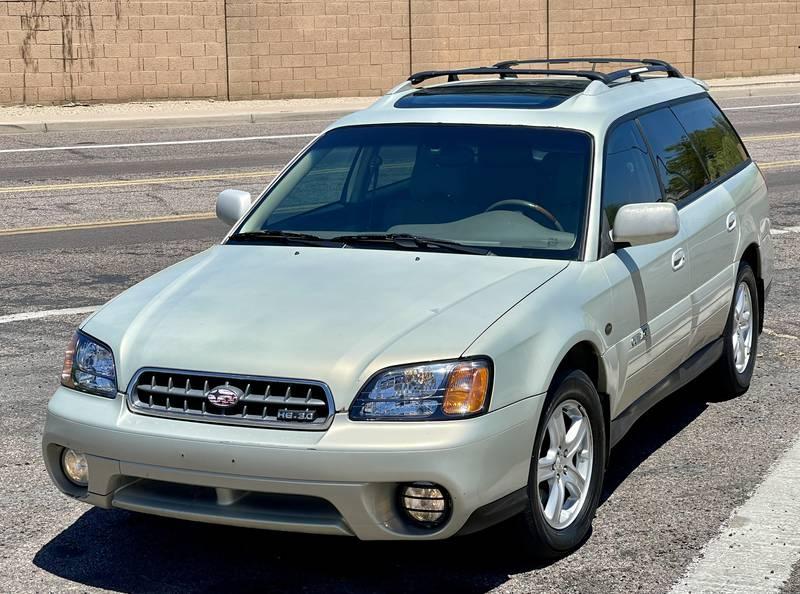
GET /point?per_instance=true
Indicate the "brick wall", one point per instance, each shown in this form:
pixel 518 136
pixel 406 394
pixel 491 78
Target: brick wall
pixel 319 48
pixel 455 33
pixel 635 28
pixel 89 50
pixel 116 50
pixel 737 38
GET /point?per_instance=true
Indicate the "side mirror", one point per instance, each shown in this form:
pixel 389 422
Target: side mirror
pixel 649 222
pixel 231 205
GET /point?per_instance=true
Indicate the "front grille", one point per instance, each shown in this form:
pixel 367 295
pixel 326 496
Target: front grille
pixel 264 401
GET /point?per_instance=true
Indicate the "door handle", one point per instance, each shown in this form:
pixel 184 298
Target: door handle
pixel 678 259
pixel 730 222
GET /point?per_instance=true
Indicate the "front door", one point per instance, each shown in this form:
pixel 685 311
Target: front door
pixel 650 283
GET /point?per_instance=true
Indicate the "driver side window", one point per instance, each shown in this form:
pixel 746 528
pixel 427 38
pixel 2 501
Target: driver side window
pixel 628 174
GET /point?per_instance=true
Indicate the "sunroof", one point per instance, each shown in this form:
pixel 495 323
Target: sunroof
pixel 504 95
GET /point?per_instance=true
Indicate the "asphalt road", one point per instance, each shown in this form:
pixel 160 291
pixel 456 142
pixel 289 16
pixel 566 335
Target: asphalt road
pixel 673 480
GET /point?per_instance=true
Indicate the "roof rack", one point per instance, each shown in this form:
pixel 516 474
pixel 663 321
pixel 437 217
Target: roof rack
pixel 453 75
pixel 508 69
pixel 648 65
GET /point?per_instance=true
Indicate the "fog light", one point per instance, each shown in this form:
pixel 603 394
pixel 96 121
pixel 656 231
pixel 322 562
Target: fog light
pixel 75 467
pixel 425 504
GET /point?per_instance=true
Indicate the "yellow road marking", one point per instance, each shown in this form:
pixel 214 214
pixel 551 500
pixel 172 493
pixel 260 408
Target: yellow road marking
pixel 771 137
pixel 198 216
pixel 185 217
pixel 135 182
pixel 776 164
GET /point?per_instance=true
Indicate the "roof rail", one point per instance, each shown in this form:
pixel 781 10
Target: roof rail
pixel 648 65
pixel 453 75
pixel 507 69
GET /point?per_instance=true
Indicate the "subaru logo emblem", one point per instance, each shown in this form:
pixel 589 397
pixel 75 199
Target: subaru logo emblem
pixel 224 396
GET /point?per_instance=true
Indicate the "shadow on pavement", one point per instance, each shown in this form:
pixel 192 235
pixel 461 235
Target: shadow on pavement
pixel 128 552
pixel 655 428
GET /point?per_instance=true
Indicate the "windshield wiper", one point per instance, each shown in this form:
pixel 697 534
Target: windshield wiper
pixel 409 241
pixel 287 237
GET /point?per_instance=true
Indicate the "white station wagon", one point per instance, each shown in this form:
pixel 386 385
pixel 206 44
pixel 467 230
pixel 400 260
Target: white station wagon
pixel 441 315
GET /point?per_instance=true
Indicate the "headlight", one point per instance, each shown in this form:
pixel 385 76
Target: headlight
pixel 89 367
pixel 436 391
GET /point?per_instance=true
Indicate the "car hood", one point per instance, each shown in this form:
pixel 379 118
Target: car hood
pixel 326 314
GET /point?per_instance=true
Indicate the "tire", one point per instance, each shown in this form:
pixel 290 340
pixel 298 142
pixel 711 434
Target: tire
pixel 552 535
pixel 734 378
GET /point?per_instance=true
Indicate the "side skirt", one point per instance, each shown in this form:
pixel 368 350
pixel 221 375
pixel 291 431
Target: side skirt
pixel 689 370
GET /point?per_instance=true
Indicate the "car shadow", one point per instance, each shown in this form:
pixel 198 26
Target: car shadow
pixel 129 552
pixel 657 427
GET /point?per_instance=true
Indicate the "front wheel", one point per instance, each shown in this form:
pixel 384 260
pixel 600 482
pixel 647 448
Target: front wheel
pixel 567 467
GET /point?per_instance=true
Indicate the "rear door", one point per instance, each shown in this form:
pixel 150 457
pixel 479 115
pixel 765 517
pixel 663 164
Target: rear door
pixel 650 283
pixel 710 217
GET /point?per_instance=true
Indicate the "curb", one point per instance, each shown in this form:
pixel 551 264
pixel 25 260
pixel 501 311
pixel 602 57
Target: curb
pixel 720 90
pixel 732 91
pixel 172 121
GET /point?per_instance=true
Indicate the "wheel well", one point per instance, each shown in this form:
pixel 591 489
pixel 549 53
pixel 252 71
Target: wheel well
pixel 753 257
pixel 585 357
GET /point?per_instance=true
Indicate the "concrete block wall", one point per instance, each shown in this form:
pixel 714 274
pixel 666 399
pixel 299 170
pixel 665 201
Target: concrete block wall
pixel 741 38
pixel 457 33
pixel 120 50
pixel 316 48
pixel 52 51
pixel 634 28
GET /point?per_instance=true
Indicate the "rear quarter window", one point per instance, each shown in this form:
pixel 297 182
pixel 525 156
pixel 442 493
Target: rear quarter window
pixel 712 135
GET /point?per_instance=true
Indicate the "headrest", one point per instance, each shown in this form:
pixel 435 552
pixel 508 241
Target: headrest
pixel 451 155
pixel 513 155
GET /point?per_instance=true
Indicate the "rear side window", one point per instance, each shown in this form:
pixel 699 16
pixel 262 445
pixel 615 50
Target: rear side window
pixel 628 175
pixel 712 136
pixel 678 163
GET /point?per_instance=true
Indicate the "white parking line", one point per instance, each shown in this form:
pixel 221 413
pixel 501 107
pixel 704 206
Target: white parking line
pixel 47 313
pixel 40 149
pixel 758 546
pixel 782 230
pixel 772 332
pixel 768 106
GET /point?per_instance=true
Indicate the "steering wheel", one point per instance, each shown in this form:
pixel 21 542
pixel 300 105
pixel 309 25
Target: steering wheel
pixel 531 205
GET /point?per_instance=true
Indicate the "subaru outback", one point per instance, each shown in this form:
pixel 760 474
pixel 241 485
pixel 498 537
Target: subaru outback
pixel 441 315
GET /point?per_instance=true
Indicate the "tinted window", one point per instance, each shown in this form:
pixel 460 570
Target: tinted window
pixel 515 190
pixel 678 164
pixel 324 185
pixel 397 164
pixel 628 175
pixel 712 135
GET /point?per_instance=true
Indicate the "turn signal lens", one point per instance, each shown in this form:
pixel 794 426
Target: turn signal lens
pixel 89 367
pixel 69 359
pixel 466 390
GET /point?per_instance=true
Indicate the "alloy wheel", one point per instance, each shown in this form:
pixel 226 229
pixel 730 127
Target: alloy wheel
pixel 742 335
pixel 565 462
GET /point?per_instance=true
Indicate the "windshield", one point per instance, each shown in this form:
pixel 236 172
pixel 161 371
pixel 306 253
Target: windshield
pixel 513 191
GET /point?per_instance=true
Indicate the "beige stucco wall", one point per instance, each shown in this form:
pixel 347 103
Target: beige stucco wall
pixel 96 50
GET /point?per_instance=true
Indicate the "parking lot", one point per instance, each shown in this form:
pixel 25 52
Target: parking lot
pixel 87 214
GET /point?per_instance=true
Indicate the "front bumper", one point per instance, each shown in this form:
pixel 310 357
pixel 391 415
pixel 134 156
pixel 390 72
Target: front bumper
pixel 340 481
